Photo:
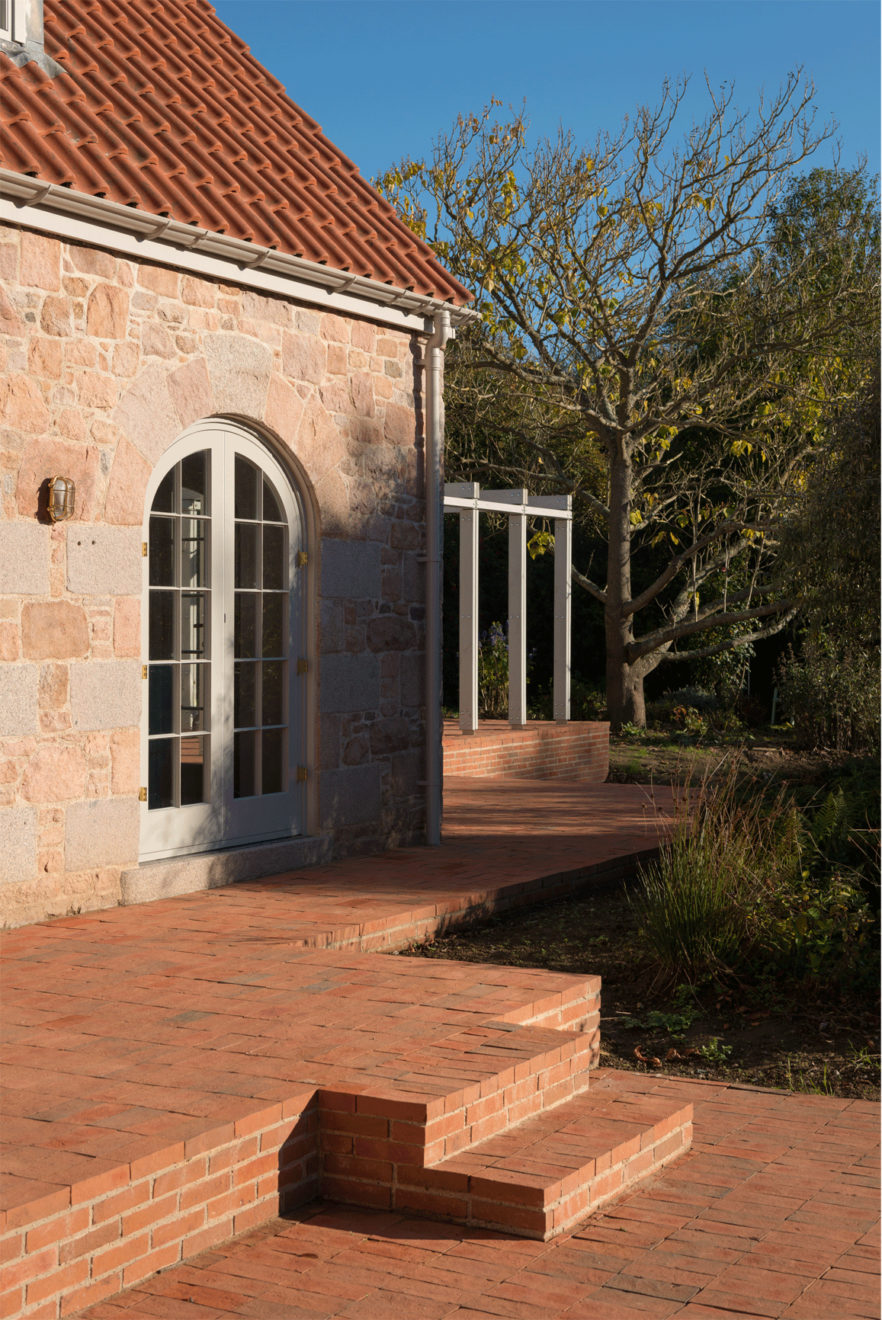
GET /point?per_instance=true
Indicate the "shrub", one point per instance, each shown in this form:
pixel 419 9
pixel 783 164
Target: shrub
pixel 586 702
pixel 831 693
pixel 696 698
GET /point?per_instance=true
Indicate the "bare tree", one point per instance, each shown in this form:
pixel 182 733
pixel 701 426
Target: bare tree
pixel 633 299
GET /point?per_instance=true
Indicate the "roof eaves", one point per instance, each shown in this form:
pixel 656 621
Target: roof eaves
pixel 28 193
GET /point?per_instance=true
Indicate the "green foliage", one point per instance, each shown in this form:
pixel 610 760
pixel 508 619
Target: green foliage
pixel 675 1022
pixel 830 691
pixel 830 680
pixel 809 1085
pixel 493 673
pixel 715 1052
pixel 692 902
pixel 747 886
pixel 586 702
pixel 690 720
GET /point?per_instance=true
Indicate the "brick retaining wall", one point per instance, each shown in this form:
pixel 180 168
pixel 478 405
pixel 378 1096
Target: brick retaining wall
pixel 541 750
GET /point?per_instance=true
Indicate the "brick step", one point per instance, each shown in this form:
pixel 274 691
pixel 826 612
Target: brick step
pixel 452 1156
pixel 91 1225
pixel 102 1188
pixel 549 1172
pixel 459 1092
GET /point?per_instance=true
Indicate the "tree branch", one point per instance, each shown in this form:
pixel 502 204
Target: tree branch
pixel 643 645
pixel 587 585
pixel 727 644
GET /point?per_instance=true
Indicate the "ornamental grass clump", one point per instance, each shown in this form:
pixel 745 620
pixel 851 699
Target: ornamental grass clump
pixel 749 885
pixel 700 905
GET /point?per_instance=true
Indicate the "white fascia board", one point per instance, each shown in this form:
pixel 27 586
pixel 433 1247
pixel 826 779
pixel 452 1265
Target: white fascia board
pixel 81 218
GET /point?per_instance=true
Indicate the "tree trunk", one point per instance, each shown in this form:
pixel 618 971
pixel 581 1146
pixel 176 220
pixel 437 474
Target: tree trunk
pixel 624 693
pixel 624 682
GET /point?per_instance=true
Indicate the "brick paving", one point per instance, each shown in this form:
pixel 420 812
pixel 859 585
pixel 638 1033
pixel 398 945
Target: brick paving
pixel 172 1071
pixel 774 1213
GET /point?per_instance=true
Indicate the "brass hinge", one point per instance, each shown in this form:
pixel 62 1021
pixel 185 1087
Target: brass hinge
pixel 302 666
pixel 143 549
pixel 142 794
pixel 302 774
pixel 302 559
pixel 143 671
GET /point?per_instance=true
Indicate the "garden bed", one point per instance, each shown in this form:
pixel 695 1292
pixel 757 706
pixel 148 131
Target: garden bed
pixel 766 1031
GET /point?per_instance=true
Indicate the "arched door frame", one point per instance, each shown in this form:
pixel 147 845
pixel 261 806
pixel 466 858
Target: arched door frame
pixel 225 820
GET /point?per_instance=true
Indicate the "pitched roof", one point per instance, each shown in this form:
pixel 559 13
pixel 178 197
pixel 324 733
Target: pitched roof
pixel 159 106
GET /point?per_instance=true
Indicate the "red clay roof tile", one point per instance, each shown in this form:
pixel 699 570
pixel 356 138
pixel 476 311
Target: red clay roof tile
pixel 189 125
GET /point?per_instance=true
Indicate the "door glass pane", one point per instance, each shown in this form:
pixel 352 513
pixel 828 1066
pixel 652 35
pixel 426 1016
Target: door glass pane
pixel 245 570
pixel 193 632
pixel 164 499
pixel 160 773
pixel 272 510
pixel 193 681
pixel 161 711
pixel 193 546
pixel 194 483
pixel 193 770
pixel 245 695
pixel 272 704
pixel 244 764
pixel 246 625
pixel 247 478
pixel 162 552
pixel 178 691
pixel 273 624
pixel 274 565
pixel 271 760
pixel 162 625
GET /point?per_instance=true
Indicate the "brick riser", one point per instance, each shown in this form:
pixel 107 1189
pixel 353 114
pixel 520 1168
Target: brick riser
pixel 551 1157
pixel 595 1154
pixel 578 752
pixel 108 1232
pixel 373 1144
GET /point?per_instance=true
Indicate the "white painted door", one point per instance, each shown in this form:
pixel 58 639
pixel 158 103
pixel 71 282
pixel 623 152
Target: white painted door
pixel 222 720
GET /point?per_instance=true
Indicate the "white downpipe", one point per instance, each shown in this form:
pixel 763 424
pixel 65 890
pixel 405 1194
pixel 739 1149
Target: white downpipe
pixel 442 332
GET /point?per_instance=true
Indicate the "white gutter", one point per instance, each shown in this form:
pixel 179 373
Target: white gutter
pixel 143 236
pixel 441 333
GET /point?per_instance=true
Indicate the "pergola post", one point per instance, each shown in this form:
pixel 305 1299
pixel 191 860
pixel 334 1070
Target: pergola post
pixel 468 616
pixel 563 558
pixel 517 616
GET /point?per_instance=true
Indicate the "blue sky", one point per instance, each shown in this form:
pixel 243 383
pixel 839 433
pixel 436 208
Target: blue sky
pixel 384 77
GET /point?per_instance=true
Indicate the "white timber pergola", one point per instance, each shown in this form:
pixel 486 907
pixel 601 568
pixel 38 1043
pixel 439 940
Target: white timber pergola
pixel 466 499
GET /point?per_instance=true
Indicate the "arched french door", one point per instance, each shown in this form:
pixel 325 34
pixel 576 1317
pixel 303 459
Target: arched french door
pixel 222 712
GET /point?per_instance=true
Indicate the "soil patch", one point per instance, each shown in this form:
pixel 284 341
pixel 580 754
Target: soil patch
pixel 807 1045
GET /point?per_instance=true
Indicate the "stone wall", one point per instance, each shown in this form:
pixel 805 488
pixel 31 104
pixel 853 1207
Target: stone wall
pixel 103 363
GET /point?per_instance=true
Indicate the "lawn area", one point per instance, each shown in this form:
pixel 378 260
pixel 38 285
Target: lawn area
pixel 807 1020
